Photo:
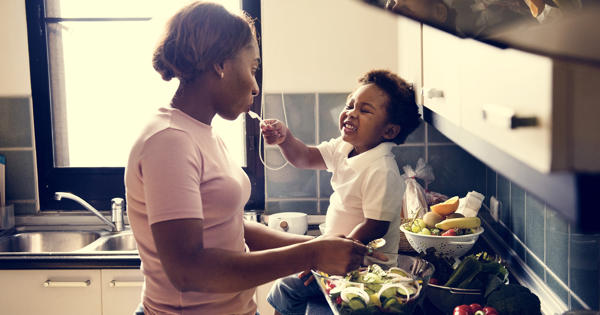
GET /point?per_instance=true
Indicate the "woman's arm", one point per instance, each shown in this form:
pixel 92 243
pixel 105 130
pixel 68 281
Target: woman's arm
pixel 260 237
pixel 191 267
pixel 369 230
pixel 295 151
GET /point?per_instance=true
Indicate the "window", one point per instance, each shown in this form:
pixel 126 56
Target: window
pixel 94 88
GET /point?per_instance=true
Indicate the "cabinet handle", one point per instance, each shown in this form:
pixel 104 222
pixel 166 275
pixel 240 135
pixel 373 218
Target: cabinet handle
pixel 66 284
pixel 125 284
pixel 505 117
pixel 433 93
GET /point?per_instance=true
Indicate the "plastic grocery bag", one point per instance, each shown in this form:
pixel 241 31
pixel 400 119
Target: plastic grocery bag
pixel 415 201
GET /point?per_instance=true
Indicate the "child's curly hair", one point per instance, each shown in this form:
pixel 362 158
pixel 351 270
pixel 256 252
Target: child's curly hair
pixel 402 108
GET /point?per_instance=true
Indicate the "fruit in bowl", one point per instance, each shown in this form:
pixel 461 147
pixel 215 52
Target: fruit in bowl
pixel 377 289
pixel 452 237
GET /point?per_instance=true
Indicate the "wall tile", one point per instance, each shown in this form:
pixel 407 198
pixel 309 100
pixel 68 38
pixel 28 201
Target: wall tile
pixel 490 185
pixel 434 136
pixel 289 182
pixel 25 208
pixel 325 189
pixel 408 155
pixel 330 107
pixel 20 180
pixel 504 199
pixel 305 206
pixel 583 268
pixel 300 113
pixel 456 172
pixel 535 265
pixel 417 136
pixel 557 244
pixel 558 289
pixel 517 211
pixel 534 231
pixel 324 203
pixel 15 122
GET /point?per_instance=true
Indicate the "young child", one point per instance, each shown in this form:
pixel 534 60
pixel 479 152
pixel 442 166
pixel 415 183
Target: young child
pixel 367 199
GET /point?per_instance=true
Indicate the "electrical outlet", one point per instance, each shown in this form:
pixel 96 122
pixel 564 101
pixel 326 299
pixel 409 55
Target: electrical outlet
pixel 494 205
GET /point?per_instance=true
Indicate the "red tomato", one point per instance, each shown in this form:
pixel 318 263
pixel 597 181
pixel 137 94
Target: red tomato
pixel 338 300
pixel 462 310
pixel 488 310
pixel 475 307
pixel 433 281
pixel 450 232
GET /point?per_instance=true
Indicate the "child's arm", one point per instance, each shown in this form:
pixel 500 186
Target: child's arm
pixel 295 151
pixel 369 230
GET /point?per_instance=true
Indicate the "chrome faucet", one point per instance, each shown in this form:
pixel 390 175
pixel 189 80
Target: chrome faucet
pixel 116 205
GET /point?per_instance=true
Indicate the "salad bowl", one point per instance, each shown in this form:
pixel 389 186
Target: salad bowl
pixel 378 289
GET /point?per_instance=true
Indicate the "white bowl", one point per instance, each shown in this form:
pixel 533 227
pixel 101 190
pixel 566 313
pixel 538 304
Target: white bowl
pixel 454 246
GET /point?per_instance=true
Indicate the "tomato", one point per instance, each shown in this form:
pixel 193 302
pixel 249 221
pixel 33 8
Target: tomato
pixel 450 232
pixel 462 310
pixel 433 281
pixel 475 307
pixel 338 300
pixel 488 310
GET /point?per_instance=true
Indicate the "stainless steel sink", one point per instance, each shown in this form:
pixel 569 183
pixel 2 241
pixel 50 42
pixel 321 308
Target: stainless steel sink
pixel 115 242
pixel 47 241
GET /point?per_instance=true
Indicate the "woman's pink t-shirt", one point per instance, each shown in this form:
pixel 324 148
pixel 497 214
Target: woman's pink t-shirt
pixel 178 169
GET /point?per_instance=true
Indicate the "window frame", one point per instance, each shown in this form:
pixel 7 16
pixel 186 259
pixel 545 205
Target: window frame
pixel 97 185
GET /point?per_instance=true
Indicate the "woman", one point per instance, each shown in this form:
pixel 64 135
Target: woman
pixel 186 196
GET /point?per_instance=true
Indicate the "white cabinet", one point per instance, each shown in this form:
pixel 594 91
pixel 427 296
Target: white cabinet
pixel 441 61
pixel 121 291
pixel 51 292
pixel 502 88
pixel 539 110
pixel 409 53
pixel 68 291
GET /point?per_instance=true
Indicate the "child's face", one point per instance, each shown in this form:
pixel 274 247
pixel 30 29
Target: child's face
pixel 364 120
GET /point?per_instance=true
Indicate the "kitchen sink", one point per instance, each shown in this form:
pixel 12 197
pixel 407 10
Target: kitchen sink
pixel 47 241
pixel 117 242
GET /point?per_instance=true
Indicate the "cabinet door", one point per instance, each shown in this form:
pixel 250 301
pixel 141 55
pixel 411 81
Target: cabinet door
pixel 60 292
pixel 497 84
pixel 121 291
pixel 409 54
pixel 441 84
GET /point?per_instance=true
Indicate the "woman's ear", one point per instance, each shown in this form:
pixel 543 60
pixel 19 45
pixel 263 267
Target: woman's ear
pixel 219 70
pixel 391 131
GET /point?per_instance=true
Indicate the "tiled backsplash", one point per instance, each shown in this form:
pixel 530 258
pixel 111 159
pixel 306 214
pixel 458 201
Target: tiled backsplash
pixel 566 259
pixel 16 143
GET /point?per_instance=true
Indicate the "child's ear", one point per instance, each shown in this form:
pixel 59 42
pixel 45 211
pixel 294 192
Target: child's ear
pixel 391 131
pixel 219 69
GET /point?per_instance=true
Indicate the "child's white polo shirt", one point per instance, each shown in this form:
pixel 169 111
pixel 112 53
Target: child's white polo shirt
pixel 367 185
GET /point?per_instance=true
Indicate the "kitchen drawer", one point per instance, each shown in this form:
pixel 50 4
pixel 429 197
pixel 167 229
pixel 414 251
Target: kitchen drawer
pixel 121 291
pixel 507 98
pixel 60 292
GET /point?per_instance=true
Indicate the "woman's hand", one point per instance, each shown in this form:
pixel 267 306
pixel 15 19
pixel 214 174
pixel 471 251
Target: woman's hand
pixel 338 255
pixel 274 131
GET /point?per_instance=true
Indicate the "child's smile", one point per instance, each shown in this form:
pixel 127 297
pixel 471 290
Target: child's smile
pixel 364 119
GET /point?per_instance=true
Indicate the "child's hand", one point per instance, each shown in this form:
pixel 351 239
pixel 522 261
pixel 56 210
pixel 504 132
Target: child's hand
pixel 274 131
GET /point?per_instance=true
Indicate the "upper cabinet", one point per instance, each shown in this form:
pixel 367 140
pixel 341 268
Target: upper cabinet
pixel 441 64
pixel 534 108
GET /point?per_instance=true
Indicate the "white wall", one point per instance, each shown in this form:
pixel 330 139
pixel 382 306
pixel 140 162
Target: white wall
pixel 324 45
pixel 14 56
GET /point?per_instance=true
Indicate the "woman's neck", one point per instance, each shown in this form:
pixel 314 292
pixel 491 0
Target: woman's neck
pixel 192 98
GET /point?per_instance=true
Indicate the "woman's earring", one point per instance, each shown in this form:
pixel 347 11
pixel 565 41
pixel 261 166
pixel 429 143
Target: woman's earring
pixel 222 75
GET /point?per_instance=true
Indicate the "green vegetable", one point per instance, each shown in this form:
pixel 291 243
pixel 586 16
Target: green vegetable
pixel 513 299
